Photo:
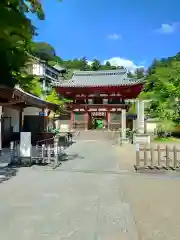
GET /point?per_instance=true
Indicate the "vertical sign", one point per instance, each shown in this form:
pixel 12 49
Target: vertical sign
pixel 25 144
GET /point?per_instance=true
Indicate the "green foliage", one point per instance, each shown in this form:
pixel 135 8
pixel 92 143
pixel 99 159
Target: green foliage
pixel 31 85
pixel 43 50
pixel 16 36
pixel 132 109
pixel 96 65
pixel 163 89
pixel 54 98
pixel 139 73
pixel 69 73
pixel 82 65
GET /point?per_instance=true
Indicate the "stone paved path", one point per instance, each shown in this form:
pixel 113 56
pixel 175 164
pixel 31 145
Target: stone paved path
pixel 82 199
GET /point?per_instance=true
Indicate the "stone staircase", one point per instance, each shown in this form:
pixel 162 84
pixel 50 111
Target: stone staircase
pixel 93 135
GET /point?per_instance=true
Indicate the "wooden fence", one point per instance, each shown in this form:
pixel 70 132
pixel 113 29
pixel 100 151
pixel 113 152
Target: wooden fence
pixel 158 157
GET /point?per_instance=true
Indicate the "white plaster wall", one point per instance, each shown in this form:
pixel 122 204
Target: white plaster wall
pixel 38 69
pixel 58 123
pixel 14 114
pixel 150 127
pixel 31 111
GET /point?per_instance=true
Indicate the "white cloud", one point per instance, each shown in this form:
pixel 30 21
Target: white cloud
pixel 114 36
pixel 128 64
pixel 168 28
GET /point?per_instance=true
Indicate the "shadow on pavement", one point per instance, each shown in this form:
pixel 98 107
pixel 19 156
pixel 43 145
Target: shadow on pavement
pixel 7 173
pixel 70 157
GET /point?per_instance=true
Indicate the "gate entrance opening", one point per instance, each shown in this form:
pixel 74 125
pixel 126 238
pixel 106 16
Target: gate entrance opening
pixel 98 120
pixel 98 123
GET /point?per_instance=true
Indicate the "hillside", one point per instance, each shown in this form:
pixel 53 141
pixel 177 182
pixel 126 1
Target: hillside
pixel 163 88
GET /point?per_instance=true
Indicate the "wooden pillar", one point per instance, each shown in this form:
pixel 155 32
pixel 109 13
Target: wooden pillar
pixel 86 119
pixel 86 99
pixel 123 124
pixel 108 119
pixel 20 119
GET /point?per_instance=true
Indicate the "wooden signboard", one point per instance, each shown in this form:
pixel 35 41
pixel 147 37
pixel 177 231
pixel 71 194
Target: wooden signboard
pixel 98 114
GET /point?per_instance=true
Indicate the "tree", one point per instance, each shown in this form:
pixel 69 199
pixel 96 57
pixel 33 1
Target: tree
pixel 163 89
pixel 139 73
pixel 96 65
pixel 44 51
pixel 108 64
pixel 83 64
pixel 130 75
pixel 54 98
pixel 16 33
pixel 121 67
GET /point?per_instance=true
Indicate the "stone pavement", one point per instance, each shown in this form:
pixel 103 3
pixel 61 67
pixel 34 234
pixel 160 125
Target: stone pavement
pixel 82 199
pixel 94 195
pixel 154 198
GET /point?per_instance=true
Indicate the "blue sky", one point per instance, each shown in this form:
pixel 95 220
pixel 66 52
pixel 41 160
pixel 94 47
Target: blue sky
pixel 127 32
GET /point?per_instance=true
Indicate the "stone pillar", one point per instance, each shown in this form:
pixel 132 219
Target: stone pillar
pixel 140 116
pixel 123 124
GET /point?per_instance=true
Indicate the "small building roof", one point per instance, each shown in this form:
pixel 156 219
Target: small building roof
pixel 99 78
pixel 58 68
pixel 31 99
pixel 12 96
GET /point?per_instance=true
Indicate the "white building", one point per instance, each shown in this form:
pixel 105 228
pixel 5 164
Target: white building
pixel 48 75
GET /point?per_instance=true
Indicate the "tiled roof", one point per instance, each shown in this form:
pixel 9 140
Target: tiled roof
pixel 99 78
pixel 32 99
pixel 58 68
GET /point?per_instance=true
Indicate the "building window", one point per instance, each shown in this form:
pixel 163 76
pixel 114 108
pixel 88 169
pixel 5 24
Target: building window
pixel 51 74
pixel 116 101
pixel 80 101
pixel 97 100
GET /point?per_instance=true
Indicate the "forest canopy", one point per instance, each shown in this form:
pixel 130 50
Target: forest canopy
pixel 47 53
pixel 162 88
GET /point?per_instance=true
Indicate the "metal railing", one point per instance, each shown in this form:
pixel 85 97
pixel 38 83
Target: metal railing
pixel 46 152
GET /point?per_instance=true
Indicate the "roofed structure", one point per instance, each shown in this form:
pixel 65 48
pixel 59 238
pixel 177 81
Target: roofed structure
pixel 58 68
pixel 16 95
pixel 31 99
pixel 99 95
pixel 100 78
